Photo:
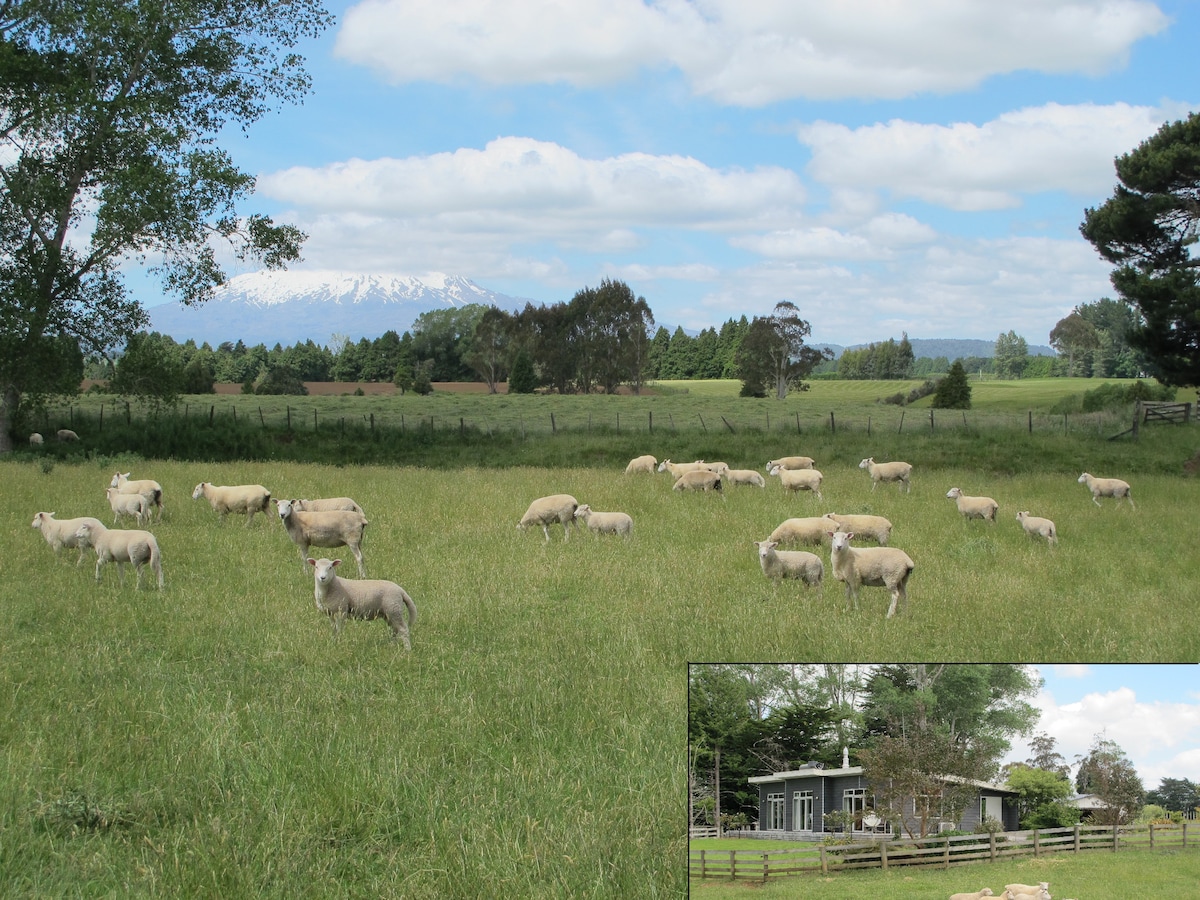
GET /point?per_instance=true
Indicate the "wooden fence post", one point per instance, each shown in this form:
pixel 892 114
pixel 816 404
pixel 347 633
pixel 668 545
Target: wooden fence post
pixel 824 861
pixel 1031 421
pixel 262 418
pixel 702 425
pixel 703 865
pixel 1114 838
pixel 868 426
pixel 732 865
pixel 553 426
pixel 289 416
pixel 235 415
pixel 992 845
pixel 212 411
pixel 931 420
pixel 102 417
pixel 127 420
pixel 372 421
pixel 946 855
pixel 765 867
pixel 832 423
pixel 1151 835
pixel 768 423
pixel 883 855
pixel 1076 837
pixel 651 420
pixel 1036 844
pixel 901 428
pixel 462 427
pixel 797 422
pixel 727 425
pixel 314 420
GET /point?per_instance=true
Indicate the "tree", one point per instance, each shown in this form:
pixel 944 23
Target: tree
pixel 1107 772
pixel 1074 335
pixel 489 345
pixel 1039 792
pixel 773 355
pixel 148 371
pixel 444 336
pixel 953 391
pixel 1147 229
pixel 1012 353
pixel 522 379
pixel 109 115
pixel 1176 794
pixel 281 379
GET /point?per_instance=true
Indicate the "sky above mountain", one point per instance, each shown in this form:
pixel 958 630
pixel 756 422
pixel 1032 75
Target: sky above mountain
pixel 887 167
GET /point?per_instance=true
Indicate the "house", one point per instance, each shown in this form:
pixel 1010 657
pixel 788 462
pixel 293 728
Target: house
pixel 793 804
pixel 1087 804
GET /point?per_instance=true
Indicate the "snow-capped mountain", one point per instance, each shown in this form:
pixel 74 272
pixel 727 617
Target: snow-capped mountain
pixel 292 307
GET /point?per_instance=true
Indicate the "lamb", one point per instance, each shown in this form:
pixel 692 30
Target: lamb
pixel 66 435
pixel 974 507
pixel 122 546
pixel 147 487
pixel 699 480
pixel 1027 888
pixel 678 469
pixel 641 464
pixel 338 528
pixel 127 505
pixel 328 504
pixel 545 511
pixel 35 440
pixel 745 476
pixel 61 533
pixel 973 895
pixel 1035 525
pixel 810 530
pixel 877 528
pixel 1036 894
pixel 241 498
pixel 872 566
pixel 898 472
pixel 780 564
pixel 792 462
pixel 1107 487
pixel 799 479
pixel 343 598
pixel 605 522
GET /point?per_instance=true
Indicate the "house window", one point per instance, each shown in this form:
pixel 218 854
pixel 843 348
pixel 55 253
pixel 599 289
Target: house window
pixel 775 812
pixel 863 819
pixel 991 808
pixel 802 811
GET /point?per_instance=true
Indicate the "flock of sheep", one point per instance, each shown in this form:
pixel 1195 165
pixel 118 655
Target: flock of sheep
pixel 1040 891
pixel 332 522
pixel 881 566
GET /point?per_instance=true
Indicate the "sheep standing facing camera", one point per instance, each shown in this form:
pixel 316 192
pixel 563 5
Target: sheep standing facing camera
pixel 873 566
pixel 780 564
pixel 343 598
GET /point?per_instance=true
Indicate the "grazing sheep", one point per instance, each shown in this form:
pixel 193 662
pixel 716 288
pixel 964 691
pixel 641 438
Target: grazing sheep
pixel 699 480
pixel 1034 525
pixel 799 480
pixel 35 440
pixel 127 505
pixel 898 472
pixel 973 895
pixel 338 528
pixel 678 469
pixel 328 504
pixel 780 564
pixel 721 468
pixel 974 507
pixel 810 530
pixel 641 464
pixel 545 511
pixel 871 566
pixel 792 462
pixel 1036 894
pixel 66 434
pixel 605 522
pixel 1107 487
pixel 745 476
pixel 122 546
pixel 241 498
pixel 147 487
pixel 877 528
pixel 343 598
pixel 1027 888
pixel 61 533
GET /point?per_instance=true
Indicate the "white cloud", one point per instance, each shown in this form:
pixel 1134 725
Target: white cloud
pixel 1072 671
pixel 745 52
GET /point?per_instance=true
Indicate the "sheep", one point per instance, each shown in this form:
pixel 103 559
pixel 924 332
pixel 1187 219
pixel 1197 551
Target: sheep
pixel 872 566
pixel 678 469
pixel 127 505
pixel 780 564
pixel 61 533
pixel 122 546
pixel 745 476
pixel 241 498
pixel 545 511
pixel 792 462
pixel 1035 525
pixel 876 527
pixel 898 472
pixel 328 504
pixel 699 480
pixel 799 480
pixel 147 487
pixel 811 530
pixel 974 507
pixel 605 522
pixel 36 440
pixel 973 895
pixel 66 435
pixel 1027 888
pixel 1107 487
pixel 337 528
pixel 721 468
pixel 342 598
pixel 641 464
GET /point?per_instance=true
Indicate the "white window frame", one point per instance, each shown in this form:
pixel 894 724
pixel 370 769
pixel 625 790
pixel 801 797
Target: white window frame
pixel 775 812
pixel 802 811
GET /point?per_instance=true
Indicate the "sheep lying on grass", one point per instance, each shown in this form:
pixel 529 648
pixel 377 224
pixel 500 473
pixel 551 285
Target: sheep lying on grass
pixel 1040 891
pixel 678 469
pixel 799 479
pixel 877 528
pixel 899 472
pixel 872 566
pixel 123 546
pixel 545 511
pixel 605 522
pixel 791 462
pixel 343 598
pixel 804 530
pixel 36 440
pixel 645 464
pixel 147 487
pixel 780 564
pixel 240 498
pixel 66 435
pixel 338 528
pixel 61 533
pixel 745 476
pixel 327 504
pixel 974 507
pixel 699 480
pixel 1107 487
pixel 1035 525
pixel 127 505
pixel 973 895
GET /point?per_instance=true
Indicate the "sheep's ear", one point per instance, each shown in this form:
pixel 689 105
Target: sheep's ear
pixel 311 561
pixel 335 563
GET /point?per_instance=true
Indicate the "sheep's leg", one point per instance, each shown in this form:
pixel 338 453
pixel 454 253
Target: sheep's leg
pixel 99 563
pixel 546 531
pixel 358 558
pixel 892 608
pixel 78 562
pixel 120 573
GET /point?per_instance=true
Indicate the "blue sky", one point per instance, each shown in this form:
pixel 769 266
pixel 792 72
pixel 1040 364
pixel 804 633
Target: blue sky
pixel 887 167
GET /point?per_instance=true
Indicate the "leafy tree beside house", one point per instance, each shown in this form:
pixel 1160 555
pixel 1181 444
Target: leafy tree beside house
pixel 1108 773
pixel 953 391
pixel 1040 795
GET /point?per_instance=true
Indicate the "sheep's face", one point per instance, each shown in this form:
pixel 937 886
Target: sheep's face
pixel 84 535
pixel 199 491
pixel 953 493
pixel 116 480
pixel 1083 478
pixel 41 518
pixel 284 507
pixel 765 547
pixel 840 540
pixel 323 569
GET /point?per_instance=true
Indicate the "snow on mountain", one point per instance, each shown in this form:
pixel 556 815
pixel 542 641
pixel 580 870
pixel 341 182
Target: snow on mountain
pixel 292 307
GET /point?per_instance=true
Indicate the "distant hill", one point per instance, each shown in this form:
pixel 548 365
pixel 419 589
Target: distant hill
pixel 951 348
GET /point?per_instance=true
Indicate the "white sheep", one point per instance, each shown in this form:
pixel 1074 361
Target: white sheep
pixel 877 528
pixel 605 522
pixel 147 487
pixel 809 530
pixel 1107 487
pixel 974 507
pixel 61 533
pixel 792 462
pixel 36 440
pixel 545 511
pixel 327 504
pixel 721 468
pixel 337 528
pixel 1035 894
pixel 1035 525
pixel 799 479
pixel 699 480
pixel 678 469
pixel 645 464
pixel 342 598
pixel 973 895
pixel 127 505
pixel 240 498
pixel 745 476
pixel 780 564
pixel 898 472
pixel 66 434
pixel 871 566
pixel 122 546
pixel 1027 888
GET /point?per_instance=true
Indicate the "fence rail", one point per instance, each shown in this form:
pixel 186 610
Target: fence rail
pixel 823 859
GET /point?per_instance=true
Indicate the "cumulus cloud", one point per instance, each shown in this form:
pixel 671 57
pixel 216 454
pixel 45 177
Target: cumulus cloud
pixel 745 52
